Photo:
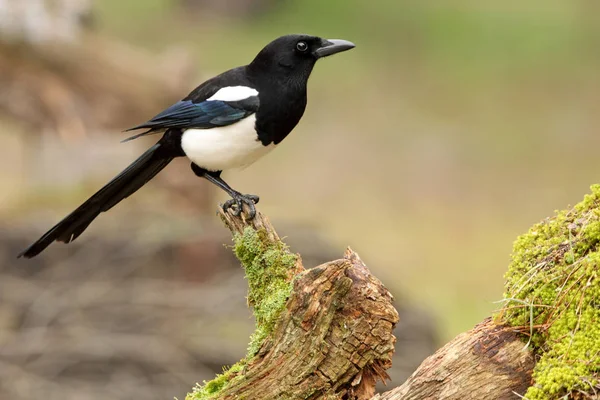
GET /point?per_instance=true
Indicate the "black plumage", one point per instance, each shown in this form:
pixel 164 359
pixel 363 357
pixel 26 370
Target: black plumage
pixel 269 94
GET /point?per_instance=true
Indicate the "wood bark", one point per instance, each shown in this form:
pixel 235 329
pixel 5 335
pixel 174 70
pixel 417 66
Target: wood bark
pixel 333 340
pixel 487 362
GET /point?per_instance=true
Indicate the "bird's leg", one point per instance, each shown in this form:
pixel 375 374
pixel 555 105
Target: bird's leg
pixel 237 199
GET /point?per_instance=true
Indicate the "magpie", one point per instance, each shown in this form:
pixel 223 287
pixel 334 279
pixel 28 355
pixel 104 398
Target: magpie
pixel 229 121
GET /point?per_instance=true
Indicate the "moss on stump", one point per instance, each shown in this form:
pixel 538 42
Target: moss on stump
pixel 268 266
pixel 553 295
pixel 321 333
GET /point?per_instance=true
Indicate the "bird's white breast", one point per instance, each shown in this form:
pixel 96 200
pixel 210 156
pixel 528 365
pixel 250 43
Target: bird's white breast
pixel 226 147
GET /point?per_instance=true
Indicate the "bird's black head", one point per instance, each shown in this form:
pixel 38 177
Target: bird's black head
pixel 293 56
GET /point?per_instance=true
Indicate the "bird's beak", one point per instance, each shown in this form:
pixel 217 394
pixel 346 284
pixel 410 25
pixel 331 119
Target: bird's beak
pixel 332 46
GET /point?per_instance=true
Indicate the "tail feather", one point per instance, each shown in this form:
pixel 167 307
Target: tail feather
pixel 120 187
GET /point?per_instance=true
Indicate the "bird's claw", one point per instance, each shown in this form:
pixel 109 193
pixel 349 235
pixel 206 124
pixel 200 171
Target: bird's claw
pixel 237 203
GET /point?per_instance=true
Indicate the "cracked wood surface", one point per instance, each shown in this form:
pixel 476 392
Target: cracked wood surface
pixel 487 362
pixel 333 340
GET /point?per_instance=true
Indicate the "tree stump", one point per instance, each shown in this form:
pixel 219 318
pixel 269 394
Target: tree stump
pixel 331 335
pixel 322 333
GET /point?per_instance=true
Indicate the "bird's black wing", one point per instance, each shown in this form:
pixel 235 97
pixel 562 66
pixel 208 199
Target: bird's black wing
pixel 206 114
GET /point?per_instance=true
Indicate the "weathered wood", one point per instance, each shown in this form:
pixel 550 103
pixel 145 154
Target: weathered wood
pixel 237 224
pixel 487 362
pixel 552 279
pixel 333 340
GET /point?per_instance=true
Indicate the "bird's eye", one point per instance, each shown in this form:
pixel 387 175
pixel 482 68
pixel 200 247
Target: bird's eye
pixel 302 46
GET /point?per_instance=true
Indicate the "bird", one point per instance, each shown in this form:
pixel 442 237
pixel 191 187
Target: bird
pixel 228 122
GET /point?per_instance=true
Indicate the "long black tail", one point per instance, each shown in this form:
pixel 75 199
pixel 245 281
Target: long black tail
pixel 123 185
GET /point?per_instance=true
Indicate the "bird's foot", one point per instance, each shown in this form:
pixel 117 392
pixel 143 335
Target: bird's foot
pixel 237 203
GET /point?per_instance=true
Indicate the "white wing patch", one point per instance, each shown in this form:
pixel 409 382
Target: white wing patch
pixel 233 93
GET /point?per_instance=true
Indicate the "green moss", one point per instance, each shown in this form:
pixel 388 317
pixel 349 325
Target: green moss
pixel 268 268
pixel 553 294
pixel 208 389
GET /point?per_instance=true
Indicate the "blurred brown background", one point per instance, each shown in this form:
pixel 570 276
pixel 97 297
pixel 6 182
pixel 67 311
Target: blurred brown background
pixel 449 130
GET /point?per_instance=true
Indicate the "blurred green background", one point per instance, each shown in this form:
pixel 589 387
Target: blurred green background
pixel 450 129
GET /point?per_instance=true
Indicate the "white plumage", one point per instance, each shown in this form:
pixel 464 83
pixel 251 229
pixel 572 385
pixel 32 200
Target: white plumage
pixel 227 147
pixel 233 93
